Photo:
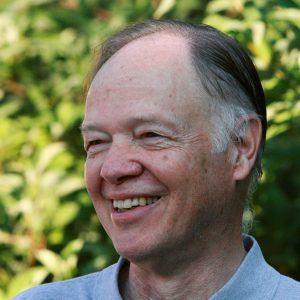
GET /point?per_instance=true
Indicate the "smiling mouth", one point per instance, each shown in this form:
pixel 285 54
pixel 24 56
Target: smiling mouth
pixel 127 204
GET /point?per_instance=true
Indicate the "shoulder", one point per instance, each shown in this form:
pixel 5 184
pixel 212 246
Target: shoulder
pixel 255 279
pixel 287 288
pixel 270 284
pixel 84 287
pixel 78 287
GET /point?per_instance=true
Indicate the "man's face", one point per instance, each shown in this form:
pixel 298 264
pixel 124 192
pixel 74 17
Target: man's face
pixel 146 133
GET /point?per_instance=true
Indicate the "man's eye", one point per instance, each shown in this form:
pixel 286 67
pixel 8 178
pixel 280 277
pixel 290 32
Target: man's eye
pixel 150 134
pixel 94 143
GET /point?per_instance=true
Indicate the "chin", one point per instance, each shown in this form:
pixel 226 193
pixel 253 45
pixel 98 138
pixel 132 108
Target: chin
pixel 134 253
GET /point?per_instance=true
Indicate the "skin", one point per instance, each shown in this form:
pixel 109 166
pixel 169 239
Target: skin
pixel 146 133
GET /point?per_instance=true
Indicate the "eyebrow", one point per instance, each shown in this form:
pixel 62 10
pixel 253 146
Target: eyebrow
pixel 173 122
pixel 84 127
pixel 140 120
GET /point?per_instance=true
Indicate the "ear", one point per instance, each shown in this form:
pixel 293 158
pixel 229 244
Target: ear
pixel 246 148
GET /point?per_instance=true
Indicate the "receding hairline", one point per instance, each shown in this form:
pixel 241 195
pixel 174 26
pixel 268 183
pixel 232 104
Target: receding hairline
pixel 106 50
pixel 159 56
pixel 160 41
pixel 164 40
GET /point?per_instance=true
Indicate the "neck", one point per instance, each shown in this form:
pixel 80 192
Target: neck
pixel 184 275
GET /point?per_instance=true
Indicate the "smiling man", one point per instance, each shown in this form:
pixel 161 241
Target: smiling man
pixel 174 132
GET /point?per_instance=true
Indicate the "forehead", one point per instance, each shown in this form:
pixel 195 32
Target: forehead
pixel 152 58
pixel 151 71
pixel 153 52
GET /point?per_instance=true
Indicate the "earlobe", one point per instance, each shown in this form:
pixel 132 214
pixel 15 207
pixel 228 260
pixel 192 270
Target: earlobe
pixel 246 148
pixel 242 168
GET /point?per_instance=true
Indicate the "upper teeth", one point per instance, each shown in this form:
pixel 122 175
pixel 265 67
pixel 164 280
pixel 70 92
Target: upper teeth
pixel 128 203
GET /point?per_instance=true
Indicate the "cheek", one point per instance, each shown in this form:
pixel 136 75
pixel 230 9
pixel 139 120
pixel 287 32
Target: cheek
pixel 169 168
pixel 92 176
pixel 175 171
pixel 92 180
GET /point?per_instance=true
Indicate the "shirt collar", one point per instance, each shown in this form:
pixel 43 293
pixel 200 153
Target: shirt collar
pixel 254 279
pixel 107 283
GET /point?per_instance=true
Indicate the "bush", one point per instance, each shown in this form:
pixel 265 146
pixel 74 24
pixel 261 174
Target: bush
pixel 49 230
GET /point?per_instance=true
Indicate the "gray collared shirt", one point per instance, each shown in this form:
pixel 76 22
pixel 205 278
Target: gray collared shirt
pixel 254 280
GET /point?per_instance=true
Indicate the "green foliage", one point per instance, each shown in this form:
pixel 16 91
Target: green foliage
pixel 48 228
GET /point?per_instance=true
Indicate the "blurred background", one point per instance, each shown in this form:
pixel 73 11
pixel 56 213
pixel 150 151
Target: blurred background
pixel 48 228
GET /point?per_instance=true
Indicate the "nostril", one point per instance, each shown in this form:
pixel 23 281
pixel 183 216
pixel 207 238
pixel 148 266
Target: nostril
pixel 122 179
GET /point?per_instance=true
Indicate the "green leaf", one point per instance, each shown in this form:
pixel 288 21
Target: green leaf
pixel 47 154
pixel 70 185
pixel 223 23
pixel 288 14
pixel 26 279
pixel 9 108
pixel 52 262
pixel 9 182
pixel 163 7
pixel 65 214
pixel 72 248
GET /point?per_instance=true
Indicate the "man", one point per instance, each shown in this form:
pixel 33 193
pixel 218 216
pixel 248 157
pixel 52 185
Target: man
pixel 174 132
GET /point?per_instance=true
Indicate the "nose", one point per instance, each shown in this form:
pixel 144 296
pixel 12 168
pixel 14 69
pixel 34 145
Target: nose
pixel 119 165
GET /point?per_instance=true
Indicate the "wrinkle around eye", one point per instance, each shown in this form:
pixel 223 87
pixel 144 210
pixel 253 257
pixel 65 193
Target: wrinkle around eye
pixel 180 143
pixel 156 143
pixel 96 146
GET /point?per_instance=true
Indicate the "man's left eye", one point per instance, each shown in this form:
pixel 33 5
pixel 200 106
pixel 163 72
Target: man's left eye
pixel 150 134
pixel 95 142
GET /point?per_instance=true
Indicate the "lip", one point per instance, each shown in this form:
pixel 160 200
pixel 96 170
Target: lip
pixel 133 215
